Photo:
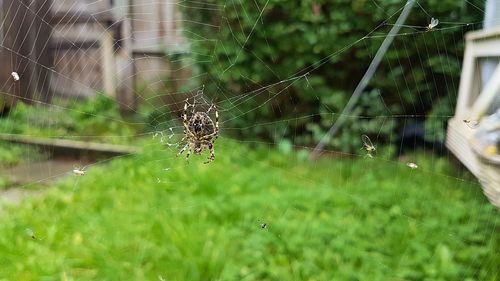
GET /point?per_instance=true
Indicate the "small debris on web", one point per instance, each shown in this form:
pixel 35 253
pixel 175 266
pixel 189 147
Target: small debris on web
pixel 263 225
pixel 368 146
pixel 434 23
pixel 78 172
pixel 412 165
pixel 171 133
pixel 163 138
pixel 15 76
pixel 166 169
pixel 159 134
pixel 30 233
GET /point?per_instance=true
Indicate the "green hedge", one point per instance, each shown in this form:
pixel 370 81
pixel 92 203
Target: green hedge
pixel 243 47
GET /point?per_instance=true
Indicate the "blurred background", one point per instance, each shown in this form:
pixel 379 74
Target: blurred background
pixel 92 94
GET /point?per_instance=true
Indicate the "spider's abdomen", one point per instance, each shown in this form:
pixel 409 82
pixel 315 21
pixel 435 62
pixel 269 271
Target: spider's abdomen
pixel 201 125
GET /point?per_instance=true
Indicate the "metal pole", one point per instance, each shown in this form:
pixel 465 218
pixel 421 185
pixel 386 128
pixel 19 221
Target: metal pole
pixel 364 81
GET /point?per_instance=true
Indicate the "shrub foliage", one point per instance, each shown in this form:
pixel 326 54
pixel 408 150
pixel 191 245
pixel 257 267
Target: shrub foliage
pixel 299 61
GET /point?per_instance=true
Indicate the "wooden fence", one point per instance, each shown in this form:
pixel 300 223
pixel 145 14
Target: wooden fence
pixel 24 41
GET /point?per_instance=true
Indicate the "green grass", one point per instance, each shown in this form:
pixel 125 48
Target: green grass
pixel 334 219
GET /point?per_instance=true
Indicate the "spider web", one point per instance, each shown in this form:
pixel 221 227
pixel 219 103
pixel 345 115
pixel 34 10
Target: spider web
pixel 285 229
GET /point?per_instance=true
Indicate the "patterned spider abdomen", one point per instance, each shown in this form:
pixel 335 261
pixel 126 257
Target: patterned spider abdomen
pixel 201 125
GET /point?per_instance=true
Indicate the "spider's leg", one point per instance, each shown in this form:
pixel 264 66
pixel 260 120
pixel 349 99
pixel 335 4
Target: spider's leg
pixel 212 153
pixel 183 149
pixel 216 121
pixel 209 137
pixel 184 112
pixel 193 105
pixel 184 118
pixel 189 152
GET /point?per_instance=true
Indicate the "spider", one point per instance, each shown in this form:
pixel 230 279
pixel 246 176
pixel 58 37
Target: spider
pixel 200 132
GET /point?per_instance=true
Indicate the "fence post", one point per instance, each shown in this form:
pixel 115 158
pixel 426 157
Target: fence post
pixel 108 67
pixel 125 90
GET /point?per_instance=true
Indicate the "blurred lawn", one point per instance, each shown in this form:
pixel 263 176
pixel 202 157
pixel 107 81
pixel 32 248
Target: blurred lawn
pixel 334 219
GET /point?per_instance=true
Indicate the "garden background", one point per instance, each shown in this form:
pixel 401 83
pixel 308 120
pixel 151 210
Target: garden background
pixel 279 72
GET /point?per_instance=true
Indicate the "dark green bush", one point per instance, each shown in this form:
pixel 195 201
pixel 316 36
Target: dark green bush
pixel 246 51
